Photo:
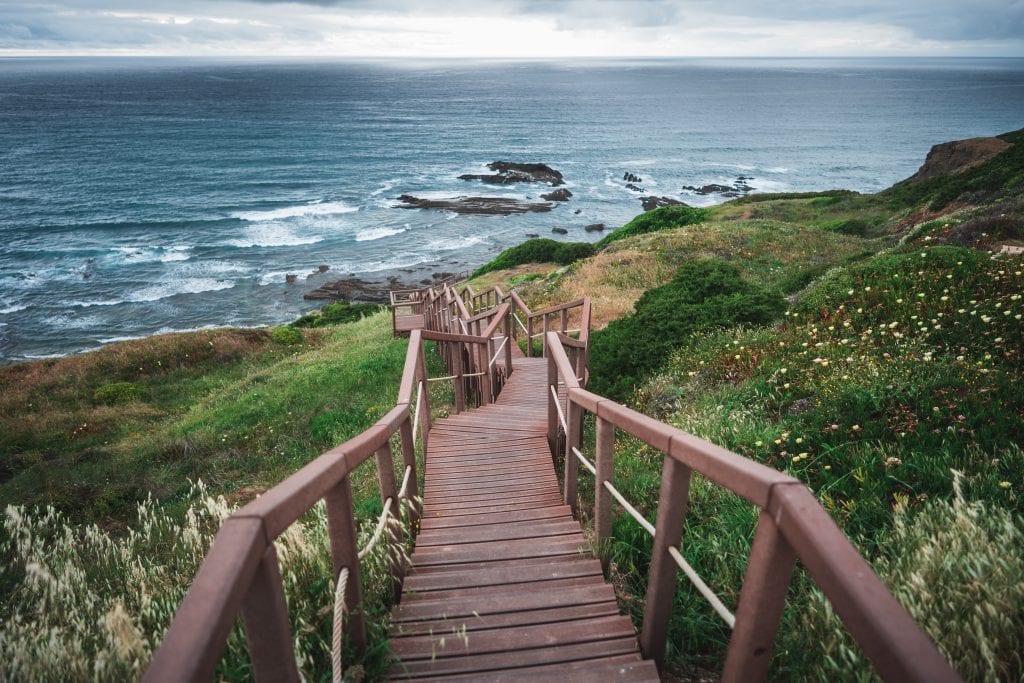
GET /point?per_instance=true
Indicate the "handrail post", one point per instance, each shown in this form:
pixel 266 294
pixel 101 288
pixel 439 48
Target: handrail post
pixel 762 599
pixel 484 367
pixel 529 337
pixel 341 526
pixel 565 321
pixel 389 489
pixel 409 459
pixel 460 390
pixel 422 372
pixel 605 472
pixel 267 628
pixel 573 439
pixel 673 500
pixel 552 406
pixel 544 338
pixel 509 341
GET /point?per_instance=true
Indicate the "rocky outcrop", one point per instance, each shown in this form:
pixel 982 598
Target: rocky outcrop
pixel 594 227
pixel 506 172
pixel 652 203
pixel 737 189
pixel 560 195
pixel 354 289
pixel 560 231
pixel 635 188
pixel 951 158
pixel 499 206
pixel 631 177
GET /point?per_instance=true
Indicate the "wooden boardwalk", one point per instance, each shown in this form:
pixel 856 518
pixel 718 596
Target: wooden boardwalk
pixel 504 586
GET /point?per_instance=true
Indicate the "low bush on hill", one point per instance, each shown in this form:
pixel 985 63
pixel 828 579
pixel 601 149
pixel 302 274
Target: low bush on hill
pixel 703 294
pixel 537 250
pixel 665 218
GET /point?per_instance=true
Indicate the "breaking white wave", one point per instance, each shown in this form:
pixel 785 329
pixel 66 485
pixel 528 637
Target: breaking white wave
pixel 164 290
pixel 272 234
pixel 315 209
pixel 13 309
pixel 377 233
pixel 388 185
pixel 150 254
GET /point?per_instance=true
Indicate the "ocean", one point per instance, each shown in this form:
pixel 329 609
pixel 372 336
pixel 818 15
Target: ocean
pixel 148 195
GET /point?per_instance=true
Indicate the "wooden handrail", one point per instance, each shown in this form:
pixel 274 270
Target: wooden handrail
pixel 792 525
pixel 240 574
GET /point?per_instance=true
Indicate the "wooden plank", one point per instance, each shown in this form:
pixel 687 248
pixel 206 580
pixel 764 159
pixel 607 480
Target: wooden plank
pixel 507 589
pixel 496 576
pixel 550 512
pixel 506 620
pixel 512 639
pixel 503 550
pixel 618 668
pixel 540 598
pixel 509 660
pixel 496 532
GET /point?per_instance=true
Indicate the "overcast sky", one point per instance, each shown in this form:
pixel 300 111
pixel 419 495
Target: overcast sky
pixel 513 28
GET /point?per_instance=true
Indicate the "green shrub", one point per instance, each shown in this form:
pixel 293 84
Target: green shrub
pixel 852 226
pixel 703 294
pixel 537 251
pixel 118 393
pixel 336 314
pixel 287 335
pixel 665 218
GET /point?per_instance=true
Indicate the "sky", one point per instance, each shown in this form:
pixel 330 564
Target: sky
pixel 523 29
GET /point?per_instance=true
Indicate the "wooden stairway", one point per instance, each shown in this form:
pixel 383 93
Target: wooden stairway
pixel 504 586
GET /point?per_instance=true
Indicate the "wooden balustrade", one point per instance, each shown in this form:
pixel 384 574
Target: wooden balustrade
pixel 791 525
pixel 240 575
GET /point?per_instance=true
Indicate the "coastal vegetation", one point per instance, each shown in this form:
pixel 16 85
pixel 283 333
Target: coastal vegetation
pixel 869 345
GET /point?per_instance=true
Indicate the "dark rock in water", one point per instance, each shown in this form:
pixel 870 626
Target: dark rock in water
pixel 631 186
pixel 736 190
pixel 323 268
pixel 578 211
pixel 426 281
pixel 531 235
pixel 291 277
pixel 508 172
pixel 560 195
pixel 713 188
pixel 442 275
pixel 652 203
pixel 744 177
pixel 560 231
pixel 631 177
pixel 499 206
pixel 594 227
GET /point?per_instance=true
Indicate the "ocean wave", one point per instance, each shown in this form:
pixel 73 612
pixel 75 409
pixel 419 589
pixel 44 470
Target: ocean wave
pixel 452 245
pixel 152 254
pixel 272 234
pixel 13 309
pixel 377 233
pixel 160 290
pixel 315 209
pixel 164 290
pixel 387 185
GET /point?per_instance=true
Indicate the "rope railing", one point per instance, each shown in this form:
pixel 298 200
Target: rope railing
pixel 792 525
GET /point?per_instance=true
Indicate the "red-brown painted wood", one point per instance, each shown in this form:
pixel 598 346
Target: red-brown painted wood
pixel 500 560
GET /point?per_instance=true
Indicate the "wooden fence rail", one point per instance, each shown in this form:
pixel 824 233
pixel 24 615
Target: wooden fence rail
pixel 240 575
pixel 791 525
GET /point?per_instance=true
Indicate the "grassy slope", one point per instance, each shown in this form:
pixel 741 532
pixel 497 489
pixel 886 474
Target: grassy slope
pixel 231 407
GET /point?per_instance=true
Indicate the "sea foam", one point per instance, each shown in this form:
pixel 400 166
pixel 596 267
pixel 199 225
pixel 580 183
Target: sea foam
pixel 315 209
pixel 377 233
